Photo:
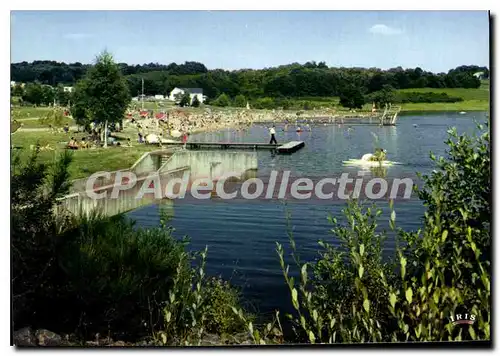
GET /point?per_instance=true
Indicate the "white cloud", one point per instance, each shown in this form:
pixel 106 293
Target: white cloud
pixel 381 29
pixel 76 36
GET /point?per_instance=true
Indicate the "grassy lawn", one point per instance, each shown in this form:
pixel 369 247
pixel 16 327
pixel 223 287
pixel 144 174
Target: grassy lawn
pixel 85 162
pixel 153 105
pixel 467 105
pixel 466 94
pixel 25 112
pixel 34 123
pixel 474 99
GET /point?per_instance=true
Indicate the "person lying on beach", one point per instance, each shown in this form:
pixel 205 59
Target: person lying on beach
pixel 72 144
pixel 83 143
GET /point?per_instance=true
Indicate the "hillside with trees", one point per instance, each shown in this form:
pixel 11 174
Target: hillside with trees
pixel 287 81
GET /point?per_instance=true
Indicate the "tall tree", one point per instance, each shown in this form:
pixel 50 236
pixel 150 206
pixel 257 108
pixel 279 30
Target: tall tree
pixel 62 96
pixel 352 97
pixel 48 95
pixel 33 93
pixel 106 92
pixel 79 110
pixel 196 102
pixel 18 90
pixel 185 99
pixel 384 96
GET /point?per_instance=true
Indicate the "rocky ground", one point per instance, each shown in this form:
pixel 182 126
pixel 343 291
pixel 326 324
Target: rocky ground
pixel 27 337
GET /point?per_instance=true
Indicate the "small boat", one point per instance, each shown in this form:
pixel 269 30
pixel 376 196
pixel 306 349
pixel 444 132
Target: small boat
pixel 462 112
pixel 363 163
pixel 366 161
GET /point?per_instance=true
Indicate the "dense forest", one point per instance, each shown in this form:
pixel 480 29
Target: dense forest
pixel 294 80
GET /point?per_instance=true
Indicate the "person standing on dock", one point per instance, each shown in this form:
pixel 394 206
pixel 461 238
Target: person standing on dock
pixel 272 131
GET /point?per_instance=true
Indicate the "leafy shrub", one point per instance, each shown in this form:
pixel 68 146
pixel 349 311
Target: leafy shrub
pixel 220 297
pixel 438 271
pixel 240 101
pixel 264 103
pixel 103 274
pixel 222 100
pixel 34 189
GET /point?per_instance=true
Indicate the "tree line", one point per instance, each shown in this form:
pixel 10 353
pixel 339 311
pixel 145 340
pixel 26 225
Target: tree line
pixel 294 80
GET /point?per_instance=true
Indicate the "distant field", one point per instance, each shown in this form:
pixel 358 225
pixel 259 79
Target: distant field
pixel 466 94
pixel 474 99
pixel 468 105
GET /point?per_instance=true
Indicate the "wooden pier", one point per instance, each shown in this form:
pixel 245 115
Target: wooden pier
pixel 289 147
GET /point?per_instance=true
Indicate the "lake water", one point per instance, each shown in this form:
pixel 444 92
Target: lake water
pixel 241 236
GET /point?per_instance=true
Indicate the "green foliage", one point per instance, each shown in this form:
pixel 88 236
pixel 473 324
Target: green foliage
pixel 106 92
pixel 223 100
pixel 264 103
pixel 438 271
pixel 17 90
pixel 54 118
pixel 118 275
pixel 48 95
pixel 351 97
pixel 220 298
pixel 33 94
pixel 462 208
pixel 196 102
pixel 425 97
pixel 291 80
pixel 62 96
pixel 104 275
pixel 34 189
pixel 79 108
pixel 185 99
pixel 197 305
pixel 383 97
pixel 240 101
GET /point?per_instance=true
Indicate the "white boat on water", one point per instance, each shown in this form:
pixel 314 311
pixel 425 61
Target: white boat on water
pixel 363 163
pixel 462 112
pixel 366 161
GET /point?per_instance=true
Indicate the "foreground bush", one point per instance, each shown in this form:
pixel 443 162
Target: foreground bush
pixel 439 271
pixel 104 275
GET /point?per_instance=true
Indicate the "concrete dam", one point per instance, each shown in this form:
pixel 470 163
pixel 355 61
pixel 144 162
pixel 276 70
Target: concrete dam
pixel 117 195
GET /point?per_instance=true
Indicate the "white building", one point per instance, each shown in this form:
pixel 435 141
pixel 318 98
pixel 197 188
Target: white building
pixel 159 97
pixel 193 92
pixel 68 89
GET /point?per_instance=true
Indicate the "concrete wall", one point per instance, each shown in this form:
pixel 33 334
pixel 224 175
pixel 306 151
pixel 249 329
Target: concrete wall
pixel 212 164
pixel 80 203
pixel 148 163
pixel 79 185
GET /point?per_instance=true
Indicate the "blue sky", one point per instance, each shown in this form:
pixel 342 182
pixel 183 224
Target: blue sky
pixel 433 40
